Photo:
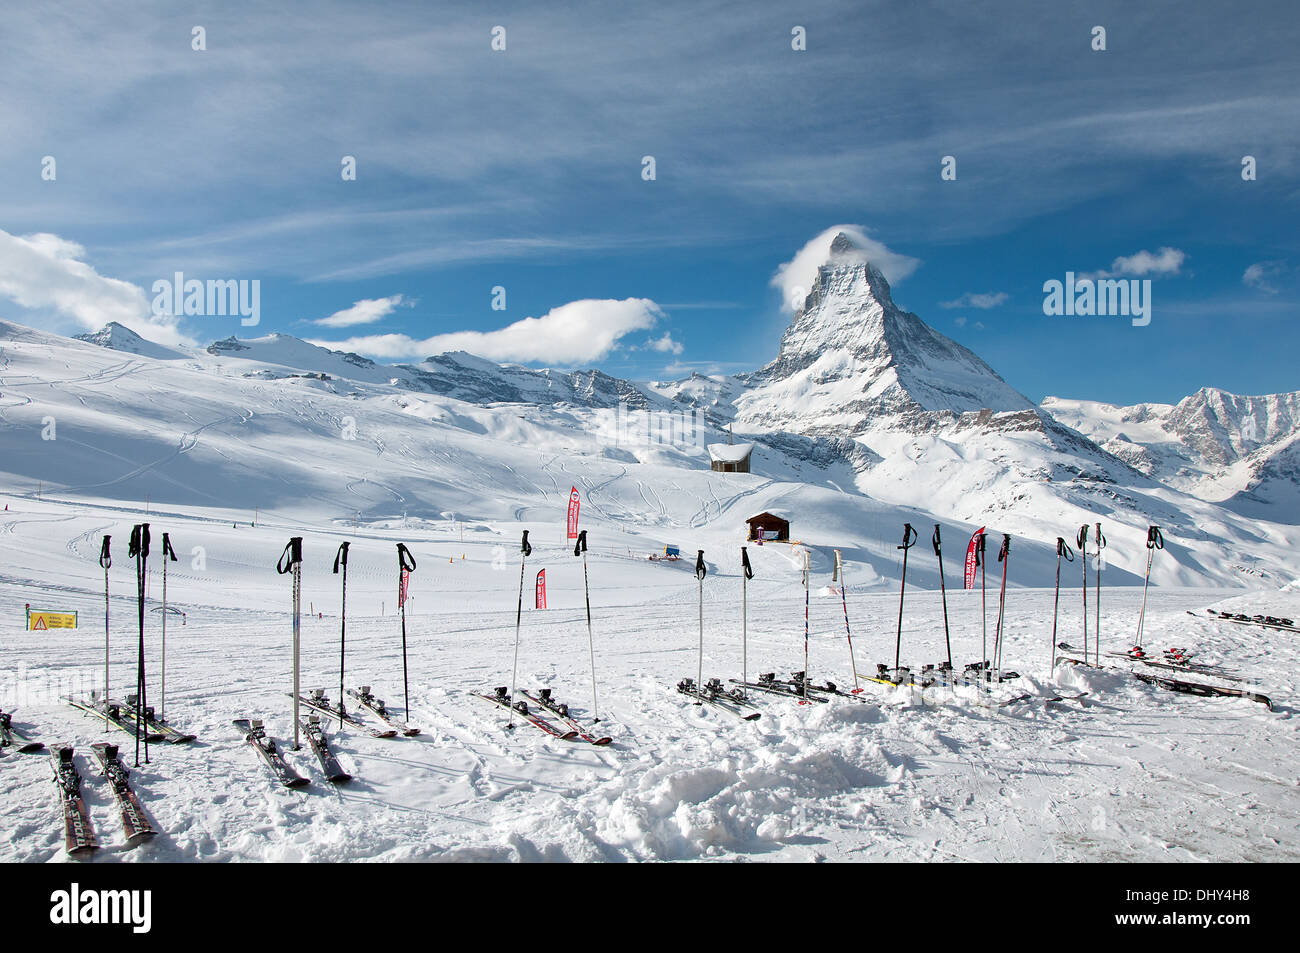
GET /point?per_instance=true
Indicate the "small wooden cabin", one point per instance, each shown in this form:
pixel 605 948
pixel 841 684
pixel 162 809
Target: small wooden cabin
pixel 730 457
pixel 768 527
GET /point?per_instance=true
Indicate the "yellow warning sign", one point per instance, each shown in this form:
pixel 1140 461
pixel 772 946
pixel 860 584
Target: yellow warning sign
pixel 38 620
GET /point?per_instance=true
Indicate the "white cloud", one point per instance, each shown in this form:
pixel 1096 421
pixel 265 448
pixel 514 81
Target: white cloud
pixel 46 273
pixel 974 300
pixel 795 277
pixel 1164 261
pixel 1260 275
pixel 665 344
pixel 960 322
pixel 365 311
pixel 573 333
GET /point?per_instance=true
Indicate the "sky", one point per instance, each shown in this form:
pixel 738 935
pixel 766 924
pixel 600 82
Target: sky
pixel 502 201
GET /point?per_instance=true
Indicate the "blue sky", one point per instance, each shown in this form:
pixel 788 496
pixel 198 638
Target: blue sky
pixel 523 169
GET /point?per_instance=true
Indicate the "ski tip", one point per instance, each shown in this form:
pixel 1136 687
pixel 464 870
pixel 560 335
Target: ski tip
pixel 602 741
pixel 410 732
pixel 754 717
pixel 340 779
pixel 569 735
pixel 32 747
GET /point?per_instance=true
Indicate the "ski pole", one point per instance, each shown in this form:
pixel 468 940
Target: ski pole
pixel 291 562
pixel 341 560
pixel 405 566
pixel 909 540
pixel 747 573
pixel 580 547
pixel 943 589
pixel 700 572
pixel 139 548
pixel 1096 629
pixel 168 552
pixel 1003 557
pixel 1082 540
pixel 1154 541
pixel 806 573
pixel 526 550
pixel 105 560
pixel 1062 549
pixel 839 575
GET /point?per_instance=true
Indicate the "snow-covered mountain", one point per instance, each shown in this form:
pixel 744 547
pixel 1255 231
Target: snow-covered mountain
pixel 121 338
pixel 1237 450
pixel 863 401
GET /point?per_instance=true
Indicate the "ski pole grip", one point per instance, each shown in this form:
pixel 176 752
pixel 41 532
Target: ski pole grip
pixel 580 546
pixel 909 536
pixel 1082 539
pixel 105 557
pixel 167 547
pixel 139 545
pixel 1155 540
pixel 1005 551
pixel 526 547
pixel 291 556
pixel 404 558
pixel 744 563
pixel 341 557
pixel 700 569
pixel 935 541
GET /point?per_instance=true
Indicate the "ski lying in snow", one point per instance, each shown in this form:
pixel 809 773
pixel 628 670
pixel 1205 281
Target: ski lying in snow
pixel 169 733
pixel 714 694
pixel 255 734
pixel 135 824
pixel 320 745
pixel 377 706
pixel 1177 666
pixel 1200 688
pixel 501 697
pixel 1181 685
pixel 769 684
pixel 78 834
pixel 12 737
pixel 117 717
pixel 544 700
pixel 797 680
pixel 320 702
pixel 1267 621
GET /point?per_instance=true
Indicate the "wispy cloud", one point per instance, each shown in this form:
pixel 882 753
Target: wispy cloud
pixel 975 300
pixel 572 333
pixel 1261 274
pixel 1162 262
pixel 365 311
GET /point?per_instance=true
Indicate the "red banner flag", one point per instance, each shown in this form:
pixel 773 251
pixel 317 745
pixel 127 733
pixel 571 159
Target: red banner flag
pixel 575 501
pixel 541 589
pixel 971 558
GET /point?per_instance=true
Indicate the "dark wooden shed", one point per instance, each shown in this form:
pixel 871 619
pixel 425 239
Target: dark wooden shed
pixel 770 526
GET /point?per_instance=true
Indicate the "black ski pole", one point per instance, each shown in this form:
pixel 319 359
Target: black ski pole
pixel 943 589
pixel 105 560
pixel 844 601
pixel 580 548
pixel 1003 553
pixel 168 553
pixel 291 562
pixel 139 548
pixel 405 566
pixel 700 572
pixel 1096 629
pixel 1154 541
pixel 1062 549
pixel 1082 540
pixel 746 574
pixel 909 540
pixel 806 573
pixel 341 561
pixel 526 550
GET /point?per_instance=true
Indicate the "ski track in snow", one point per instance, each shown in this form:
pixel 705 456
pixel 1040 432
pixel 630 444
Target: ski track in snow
pixel 1130 772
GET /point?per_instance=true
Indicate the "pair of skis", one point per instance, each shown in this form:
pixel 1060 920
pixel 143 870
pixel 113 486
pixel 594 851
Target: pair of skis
pixel 318 701
pixel 1182 685
pixel 572 730
pixel 115 714
pixel 377 707
pixel 1265 621
pixel 715 695
pixel 255 734
pixel 79 832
